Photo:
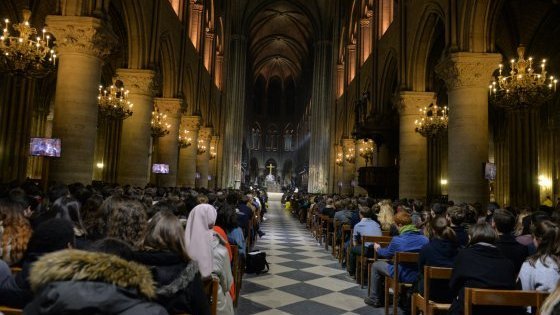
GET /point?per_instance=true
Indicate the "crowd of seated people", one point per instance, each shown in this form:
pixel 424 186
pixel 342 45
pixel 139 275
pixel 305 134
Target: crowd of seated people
pixel 108 249
pixel 490 248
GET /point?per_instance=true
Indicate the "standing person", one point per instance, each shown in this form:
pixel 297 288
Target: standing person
pixel 207 248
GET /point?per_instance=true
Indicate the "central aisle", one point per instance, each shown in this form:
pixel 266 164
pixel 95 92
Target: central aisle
pixel 303 279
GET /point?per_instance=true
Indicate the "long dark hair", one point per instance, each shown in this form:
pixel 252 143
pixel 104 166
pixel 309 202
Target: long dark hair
pixel 165 232
pixel 547 234
pixel 68 208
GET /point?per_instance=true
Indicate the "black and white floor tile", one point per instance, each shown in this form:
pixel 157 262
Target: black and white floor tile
pixel 304 278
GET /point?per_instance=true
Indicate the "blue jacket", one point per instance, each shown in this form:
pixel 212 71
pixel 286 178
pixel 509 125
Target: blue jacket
pixel 406 242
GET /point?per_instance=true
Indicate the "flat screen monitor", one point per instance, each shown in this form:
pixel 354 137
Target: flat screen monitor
pixel 490 171
pixel 45 147
pixel 160 168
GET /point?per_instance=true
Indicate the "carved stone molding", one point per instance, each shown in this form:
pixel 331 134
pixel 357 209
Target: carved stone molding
pixel 170 106
pixel 409 102
pixel 82 35
pixel 463 70
pixel 205 133
pixel 137 81
pixel 190 123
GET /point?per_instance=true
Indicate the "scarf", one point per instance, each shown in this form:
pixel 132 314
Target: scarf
pixel 408 228
pixel 199 235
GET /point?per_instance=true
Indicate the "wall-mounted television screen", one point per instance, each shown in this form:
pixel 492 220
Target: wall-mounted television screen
pixel 45 147
pixel 490 171
pixel 160 168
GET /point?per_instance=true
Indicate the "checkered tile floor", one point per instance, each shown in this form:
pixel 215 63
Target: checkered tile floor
pixel 303 279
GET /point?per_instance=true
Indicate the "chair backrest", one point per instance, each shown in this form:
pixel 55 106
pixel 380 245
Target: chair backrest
pixel 403 257
pixel 211 290
pixel 503 298
pixel 15 270
pixel 375 239
pixel 434 273
pixel 10 311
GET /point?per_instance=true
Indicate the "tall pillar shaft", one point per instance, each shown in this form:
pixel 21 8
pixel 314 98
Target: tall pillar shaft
pixel 195 19
pixel 233 131
pixel 466 76
pixel 366 39
pixel 218 73
pixel 82 42
pixel 213 172
pixel 413 165
pixel 208 50
pixel 203 158
pixel 348 166
pixel 320 117
pixel 187 156
pixel 339 80
pixel 136 132
pixel 168 145
pixel 351 63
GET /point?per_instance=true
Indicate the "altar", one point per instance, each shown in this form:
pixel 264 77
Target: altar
pixel 270 181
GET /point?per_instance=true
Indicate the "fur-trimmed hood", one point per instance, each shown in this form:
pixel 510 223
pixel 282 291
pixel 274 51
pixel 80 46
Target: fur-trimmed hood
pixel 78 265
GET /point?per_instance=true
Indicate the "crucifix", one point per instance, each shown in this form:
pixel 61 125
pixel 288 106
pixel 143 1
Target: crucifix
pixel 270 167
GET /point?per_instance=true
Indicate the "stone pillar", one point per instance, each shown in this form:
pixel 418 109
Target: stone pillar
pixel 195 21
pixel 187 156
pixel 168 145
pixel 208 50
pixel 366 38
pixel 339 180
pixel 235 111
pixel 136 132
pixel 466 76
pixel 81 43
pixel 351 62
pixel 218 73
pixel 360 162
pixel 348 167
pixel 320 118
pixel 413 167
pixel 203 158
pixel 213 172
pixel 339 80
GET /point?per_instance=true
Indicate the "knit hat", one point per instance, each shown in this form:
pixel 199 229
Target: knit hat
pixel 51 235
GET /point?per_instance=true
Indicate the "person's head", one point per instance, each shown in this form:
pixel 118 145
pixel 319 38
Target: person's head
pixel 113 246
pixel 366 212
pixel 127 221
pixel 68 208
pixel 482 233
pixel 16 230
pixel 56 191
pixel 386 215
pixel 546 237
pixel 330 202
pixel 437 209
pixel 503 221
pixel 52 235
pixel 162 206
pixel 165 233
pixel 339 205
pixel 403 218
pixel 456 215
pixel 439 228
pixel 226 218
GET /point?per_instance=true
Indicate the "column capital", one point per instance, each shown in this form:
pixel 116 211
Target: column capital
pixel 81 35
pixel 170 106
pixel 137 81
pixel 190 123
pixel 409 102
pixel 205 133
pixel 467 70
pixel 351 47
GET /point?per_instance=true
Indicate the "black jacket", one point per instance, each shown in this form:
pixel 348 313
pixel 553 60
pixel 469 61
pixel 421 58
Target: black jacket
pixel 461 235
pixel 79 282
pixel 437 253
pixel 480 266
pixel 514 251
pixel 179 285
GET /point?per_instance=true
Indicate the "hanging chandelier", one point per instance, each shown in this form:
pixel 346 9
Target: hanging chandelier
pixel 28 54
pixel 160 126
pixel 113 103
pixel 433 121
pixel 524 87
pixel 339 159
pixel 350 156
pixel 213 153
pixel 366 150
pixel 201 148
pixel 185 139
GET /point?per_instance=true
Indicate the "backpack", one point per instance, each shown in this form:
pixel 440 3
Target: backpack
pixel 256 262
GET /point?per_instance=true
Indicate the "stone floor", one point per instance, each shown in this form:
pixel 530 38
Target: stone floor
pixel 304 278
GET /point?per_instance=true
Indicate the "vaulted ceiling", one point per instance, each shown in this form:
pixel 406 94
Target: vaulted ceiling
pixel 280 37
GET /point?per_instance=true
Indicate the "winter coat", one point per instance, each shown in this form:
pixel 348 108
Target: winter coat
pixel 514 251
pixel 179 286
pixel 437 253
pixel 79 282
pixel 222 269
pixel 406 242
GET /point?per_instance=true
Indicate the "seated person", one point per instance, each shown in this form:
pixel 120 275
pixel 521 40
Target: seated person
pixel 503 222
pixel 409 240
pixel 440 252
pixel 541 271
pixel 366 227
pixel 481 265
pixel 456 216
pixel 329 210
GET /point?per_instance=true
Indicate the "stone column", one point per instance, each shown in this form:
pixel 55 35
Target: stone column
pixel 81 43
pixel 195 20
pixel 339 80
pixel 413 167
pixel 339 180
pixel 366 37
pixel 134 160
pixel 351 62
pixel 348 167
pixel 203 158
pixel 360 162
pixel 467 76
pixel 320 118
pixel 187 156
pixel 208 50
pixel 214 142
pixel 218 73
pixel 168 145
pixel 235 111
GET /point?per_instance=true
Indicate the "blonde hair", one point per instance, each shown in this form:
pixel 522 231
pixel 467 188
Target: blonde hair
pixel 551 302
pixel 386 216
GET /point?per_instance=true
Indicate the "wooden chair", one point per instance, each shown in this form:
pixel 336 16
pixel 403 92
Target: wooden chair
pixel 424 303
pixel 329 233
pixel 15 270
pixel 322 227
pixel 503 298
pixel 370 262
pixel 235 270
pixel 393 282
pixel 346 229
pixel 386 233
pixel 211 290
pixel 335 248
pixel 360 260
pixel 10 311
